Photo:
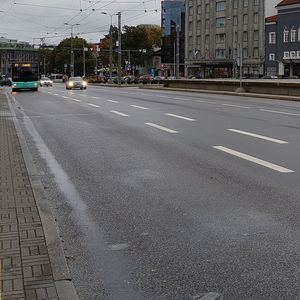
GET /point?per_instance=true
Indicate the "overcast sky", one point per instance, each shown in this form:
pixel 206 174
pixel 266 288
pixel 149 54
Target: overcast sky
pixel 32 20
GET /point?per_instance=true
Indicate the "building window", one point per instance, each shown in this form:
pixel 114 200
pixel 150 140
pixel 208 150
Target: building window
pixel 235 4
pixel 245 19
pixel 220 22
pixel 293 54
pixel 207 7
pixel 271 57
pixel 220 38
pixel 293 35
pixel 299 34
pixel 245 36
pixel 286 36
pixel 298 54
pixel 256 35
pixel 256 18
pixel 272 38
pixel 256 52
pixel 246 3
pixel 220 53
pixel 256 2
pixel 220 6
pixel 286 55
pixel 245 52
pixel 235 20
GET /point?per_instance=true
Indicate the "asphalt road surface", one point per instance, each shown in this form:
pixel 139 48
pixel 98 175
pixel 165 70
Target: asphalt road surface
pixel 170 195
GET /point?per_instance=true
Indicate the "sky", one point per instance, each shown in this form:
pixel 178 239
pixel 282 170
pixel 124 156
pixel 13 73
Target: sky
pixel 37 21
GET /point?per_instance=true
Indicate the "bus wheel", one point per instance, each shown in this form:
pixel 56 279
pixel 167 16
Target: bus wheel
pixel 13 90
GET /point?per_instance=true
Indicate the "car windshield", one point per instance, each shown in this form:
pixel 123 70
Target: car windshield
pixel 76 78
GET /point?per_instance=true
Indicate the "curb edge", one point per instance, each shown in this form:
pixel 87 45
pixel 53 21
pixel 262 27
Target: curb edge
pixel 61 274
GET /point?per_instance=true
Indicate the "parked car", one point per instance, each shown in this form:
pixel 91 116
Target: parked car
pixel 144 79
pixel 76 82
pixel 158 80
pixel 45 81
pixel 115 79
pixel 130 79
pixel 4 80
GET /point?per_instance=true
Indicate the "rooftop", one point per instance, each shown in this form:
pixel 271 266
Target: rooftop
pixel 288 2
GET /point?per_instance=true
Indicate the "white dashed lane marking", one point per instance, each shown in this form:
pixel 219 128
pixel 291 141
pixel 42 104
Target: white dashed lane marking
pixel 279 112
pixel 161 128
pixel 76 100
pixel 140 107
pixel 254 160
pixel 119 113
pixel 93 105
pixel 238 106
pixel 258 136
pixel 180 117
pixel 112 101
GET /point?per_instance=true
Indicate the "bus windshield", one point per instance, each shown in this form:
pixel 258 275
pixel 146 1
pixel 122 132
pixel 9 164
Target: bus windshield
pixel 24 72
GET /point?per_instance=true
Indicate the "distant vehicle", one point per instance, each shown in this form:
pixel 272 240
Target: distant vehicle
pixel 144 79
pixel 115 79
pixel 76 82
pixel 130 79
pixel 4 80
pixel 57 77
pixel 25 76
pixel 158 80
pixel 45 81
pixel 270 77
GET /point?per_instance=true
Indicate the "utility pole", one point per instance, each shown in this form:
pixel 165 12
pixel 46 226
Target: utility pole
pixel 177 49
pixel 72 52
pixel 83 54
pixel 110 45
pixel 120 48
pixel 241 66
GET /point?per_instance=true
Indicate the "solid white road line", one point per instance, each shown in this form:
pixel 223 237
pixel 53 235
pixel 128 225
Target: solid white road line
pixel 258 136
pixel 140 107
pixel 279 112
pixel 76 100
pixel 55 94
pixel 254 160
pixel 119 113
pixel 65 97
pixel 95 97
pixel 180 117
pixel 112 101
pixel 238 106
pixel 161 128
pixel 93 105
pixel 162 96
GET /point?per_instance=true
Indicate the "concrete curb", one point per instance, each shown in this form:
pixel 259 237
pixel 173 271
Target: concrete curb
pixel 249 95
pixel 61 274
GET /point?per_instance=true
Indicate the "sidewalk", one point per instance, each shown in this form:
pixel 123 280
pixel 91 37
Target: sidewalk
pixel 25 268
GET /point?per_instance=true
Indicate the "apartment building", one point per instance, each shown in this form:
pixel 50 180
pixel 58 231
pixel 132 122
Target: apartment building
pixel 15 51
pixel 283 40
pixel 222 34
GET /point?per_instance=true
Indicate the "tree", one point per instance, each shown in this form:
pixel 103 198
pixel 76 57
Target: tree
pixel 140 37
pixel 62 56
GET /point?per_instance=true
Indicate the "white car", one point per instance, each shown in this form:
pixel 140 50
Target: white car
pixel 45 81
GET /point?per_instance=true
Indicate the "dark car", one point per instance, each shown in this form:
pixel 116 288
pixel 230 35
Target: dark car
pixel 158 80
pixel 130 79
pixel 144 79
pixel 5 81
pixel 75 82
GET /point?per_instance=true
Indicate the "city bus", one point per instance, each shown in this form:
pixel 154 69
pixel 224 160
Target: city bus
pixel 25 76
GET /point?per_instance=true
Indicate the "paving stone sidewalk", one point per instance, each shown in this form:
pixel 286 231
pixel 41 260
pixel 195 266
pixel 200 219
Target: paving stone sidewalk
pixel 25 269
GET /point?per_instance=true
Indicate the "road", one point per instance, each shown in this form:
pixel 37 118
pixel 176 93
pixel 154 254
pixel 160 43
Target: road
pixel 170 195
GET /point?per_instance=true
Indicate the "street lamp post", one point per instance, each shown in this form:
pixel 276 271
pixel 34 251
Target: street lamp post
pixel 110 45
pixel 72 52
pixel 120 48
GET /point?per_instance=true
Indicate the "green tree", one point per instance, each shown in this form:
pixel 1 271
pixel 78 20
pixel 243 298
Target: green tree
pixel 62 55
